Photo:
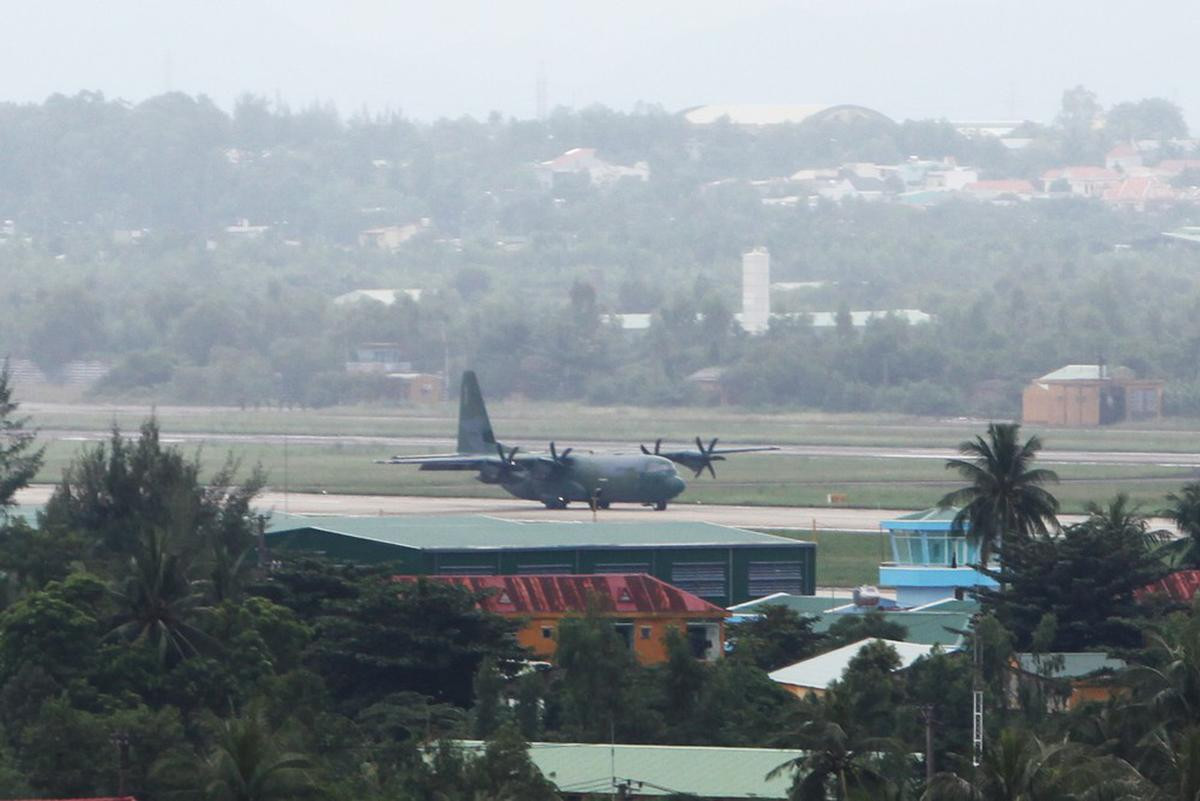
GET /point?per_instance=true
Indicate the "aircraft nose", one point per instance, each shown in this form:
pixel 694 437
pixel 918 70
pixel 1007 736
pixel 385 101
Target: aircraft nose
pixel 676 485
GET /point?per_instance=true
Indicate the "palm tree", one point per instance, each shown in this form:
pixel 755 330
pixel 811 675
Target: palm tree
pixel 1123 519
pixel 246 763
pixel 832 757
pixel 1184 511
pixel 1018 766
pixel 158 603
pixel 1005 500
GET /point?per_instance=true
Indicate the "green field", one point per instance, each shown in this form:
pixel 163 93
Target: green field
pixel 564 422
pixel 764 479
pixel 844 559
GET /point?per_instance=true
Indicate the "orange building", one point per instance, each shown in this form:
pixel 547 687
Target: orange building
pixel 641 607
pixel 1090 395
pixel 1064 680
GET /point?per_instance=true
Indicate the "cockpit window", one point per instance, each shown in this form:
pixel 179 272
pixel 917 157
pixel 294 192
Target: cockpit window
pixel 660 467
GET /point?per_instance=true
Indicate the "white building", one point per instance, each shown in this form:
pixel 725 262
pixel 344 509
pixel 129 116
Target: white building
pixel 756 290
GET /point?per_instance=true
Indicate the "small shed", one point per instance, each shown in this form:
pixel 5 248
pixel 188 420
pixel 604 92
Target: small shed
pixel 1091 395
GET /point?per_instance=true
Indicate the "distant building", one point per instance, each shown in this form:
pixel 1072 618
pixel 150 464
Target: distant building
pixel 812 677
pixel 643 610
pixel 582 162
pixel 941 623
pixel 1139 192
pixel 1085 181
pixel 391 237
pixel 384 296
pixel 1123 157
pixel 242 229
pixel 378 358
pixel 1090 395
pixel 1063 680
pixel 707 381
pixel 860 319
pixel 756 290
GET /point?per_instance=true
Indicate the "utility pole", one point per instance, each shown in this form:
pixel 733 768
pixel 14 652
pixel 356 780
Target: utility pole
pixel 929 716
pixel 976 703
pixel 120 739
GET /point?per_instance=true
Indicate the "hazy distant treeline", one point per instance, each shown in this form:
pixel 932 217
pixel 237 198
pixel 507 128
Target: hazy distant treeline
pixel 518 274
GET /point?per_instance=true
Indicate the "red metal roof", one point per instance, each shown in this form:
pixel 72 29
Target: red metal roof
pixel 559 594
pixel 1179 586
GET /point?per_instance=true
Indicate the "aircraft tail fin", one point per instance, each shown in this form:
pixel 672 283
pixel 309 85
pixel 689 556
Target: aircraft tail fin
pixel 474 429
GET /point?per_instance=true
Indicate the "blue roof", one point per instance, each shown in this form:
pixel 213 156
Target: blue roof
pixel 936 518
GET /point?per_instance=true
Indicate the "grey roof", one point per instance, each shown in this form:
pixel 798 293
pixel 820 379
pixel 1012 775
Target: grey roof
pixel 661 770
pixel 940 627
pixel 1075 372
pixel 822 670
pixel 484 532
pixel 801 604
pixel 1075 665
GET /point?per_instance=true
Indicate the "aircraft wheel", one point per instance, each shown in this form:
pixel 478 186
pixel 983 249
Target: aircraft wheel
pixel 603 504
pixel 660 506
pixel 555 503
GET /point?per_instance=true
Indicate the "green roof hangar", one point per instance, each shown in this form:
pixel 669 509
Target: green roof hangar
pixel 721 564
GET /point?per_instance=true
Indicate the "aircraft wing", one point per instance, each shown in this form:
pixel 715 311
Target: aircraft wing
pixel 446 461
pixel 746 450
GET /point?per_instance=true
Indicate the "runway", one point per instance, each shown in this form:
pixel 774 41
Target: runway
pixel 446 445
pixel 795 518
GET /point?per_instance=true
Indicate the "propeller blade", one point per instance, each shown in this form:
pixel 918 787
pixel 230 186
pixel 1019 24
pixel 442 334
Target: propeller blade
pixel 645 450
pixel 553 452
pixel 512 454
pixel 712 446
pixel 700 446
pixel 565 454
pixel 709 465
pixel 657 445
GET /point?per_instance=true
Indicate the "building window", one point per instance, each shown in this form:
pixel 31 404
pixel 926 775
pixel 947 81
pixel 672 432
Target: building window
pixel 645 632
pixel 768 578
pixel 706 579
pixel 547 633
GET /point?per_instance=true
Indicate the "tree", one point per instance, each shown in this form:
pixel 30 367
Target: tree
pixel 1149 118
pixel 833 765
pixel 485 717
pixel 776 637
pixel 1005 500
pixel 247 762
pixel 19 462
pixel 596 666
pixel 852 628
pixel 1184 512
pixel 1086 576
pixel 159 604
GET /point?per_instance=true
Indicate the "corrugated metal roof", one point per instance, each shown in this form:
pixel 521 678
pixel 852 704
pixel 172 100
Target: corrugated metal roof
pixel 821 671
pixel 1074 372
pixel 801 604
pixel 661 770
pixel 966 605
pixel 1178 586
pixel 936 513
pixel 1075 665
pixel 632 593
pixel 490 533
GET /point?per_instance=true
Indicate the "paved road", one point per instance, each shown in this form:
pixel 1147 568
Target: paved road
pixel 799 518
pixel 446 445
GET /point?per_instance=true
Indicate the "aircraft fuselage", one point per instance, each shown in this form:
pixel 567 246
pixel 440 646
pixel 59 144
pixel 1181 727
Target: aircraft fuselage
pixel 604 478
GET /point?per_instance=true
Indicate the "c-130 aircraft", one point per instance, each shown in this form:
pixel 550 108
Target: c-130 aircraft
pixel 558 478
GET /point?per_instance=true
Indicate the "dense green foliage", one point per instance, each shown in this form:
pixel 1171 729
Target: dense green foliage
pixel 517 273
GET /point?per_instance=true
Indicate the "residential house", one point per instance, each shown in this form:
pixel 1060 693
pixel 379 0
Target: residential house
pixel 813 676
pixel 584 771
pixel 1091 395
pixel 1083 181
pixel 1064 679
pixel 583 163
pixel 642 608
pixel 391 237
pixel 1137 193
pixel 1122 158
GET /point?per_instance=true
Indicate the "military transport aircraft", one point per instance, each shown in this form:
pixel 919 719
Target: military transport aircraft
pixel 559 477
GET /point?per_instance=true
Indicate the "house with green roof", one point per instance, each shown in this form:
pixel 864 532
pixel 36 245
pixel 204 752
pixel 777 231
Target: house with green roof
pixel 590 770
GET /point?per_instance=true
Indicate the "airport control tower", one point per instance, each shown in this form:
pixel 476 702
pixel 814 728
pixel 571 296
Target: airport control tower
pixel 756 290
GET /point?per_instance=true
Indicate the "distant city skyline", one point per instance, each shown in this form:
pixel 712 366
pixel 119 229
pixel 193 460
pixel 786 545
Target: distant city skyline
pixel 958 59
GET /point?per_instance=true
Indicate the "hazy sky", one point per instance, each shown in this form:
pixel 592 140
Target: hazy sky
pixel 909 58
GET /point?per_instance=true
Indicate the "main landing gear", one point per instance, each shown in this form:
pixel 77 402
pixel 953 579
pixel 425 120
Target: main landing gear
pixel 660 506
pixel 555 503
